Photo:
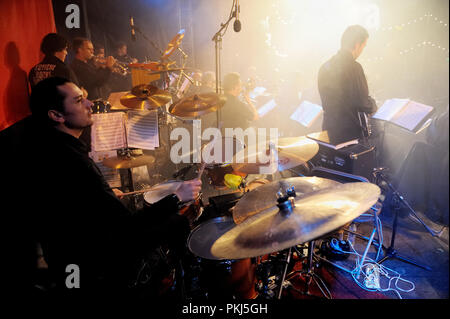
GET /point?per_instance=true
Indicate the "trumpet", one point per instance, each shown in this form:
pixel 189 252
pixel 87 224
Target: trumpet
pixel 118 67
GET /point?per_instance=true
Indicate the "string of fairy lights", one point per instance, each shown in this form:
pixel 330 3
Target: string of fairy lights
pixel 428 17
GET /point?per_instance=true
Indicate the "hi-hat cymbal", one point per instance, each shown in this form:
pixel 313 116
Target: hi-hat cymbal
pixel 173 44
pixel 292 152
pixel 144 96
pixel 197 105
pixel 313 216
pixel 265 196
pixel 125 162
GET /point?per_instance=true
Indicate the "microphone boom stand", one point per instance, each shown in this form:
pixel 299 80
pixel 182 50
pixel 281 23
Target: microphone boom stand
pixel 217 38
pixel 391 252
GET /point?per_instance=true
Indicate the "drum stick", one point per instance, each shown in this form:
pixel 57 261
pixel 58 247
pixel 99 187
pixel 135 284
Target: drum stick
pixel 135 192
pixel 202 168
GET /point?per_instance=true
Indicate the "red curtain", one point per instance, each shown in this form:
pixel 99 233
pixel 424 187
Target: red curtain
pixel 23 24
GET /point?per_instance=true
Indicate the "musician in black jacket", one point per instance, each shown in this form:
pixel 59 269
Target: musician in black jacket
pixel 90 76
pixel 54 47
pixel 78 219
pixel 343 88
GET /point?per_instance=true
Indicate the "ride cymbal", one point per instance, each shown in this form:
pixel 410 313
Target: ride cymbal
pixel 265 196
pixel 312 216
pixel 197 105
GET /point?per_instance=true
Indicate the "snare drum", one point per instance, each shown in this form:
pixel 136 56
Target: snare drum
pixel 192 209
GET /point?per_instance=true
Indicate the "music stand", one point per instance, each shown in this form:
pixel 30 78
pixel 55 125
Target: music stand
pixel 398 199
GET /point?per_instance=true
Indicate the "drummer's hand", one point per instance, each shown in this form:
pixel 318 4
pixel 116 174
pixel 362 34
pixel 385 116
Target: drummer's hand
pixel 189 190
pixel 117 192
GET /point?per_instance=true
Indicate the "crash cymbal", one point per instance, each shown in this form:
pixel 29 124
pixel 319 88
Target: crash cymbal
pixel 265 196
pixel 173 44
pixel 292 152
pixel 144 96
pixel 125 162
pixel 197 105
pixel 311 217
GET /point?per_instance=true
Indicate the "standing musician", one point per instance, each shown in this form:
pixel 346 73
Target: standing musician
pixel 236 113
pixel 343 87
pixel 122 54
pixel 121 77
pixel 83 223
pixel 54 47
pixel 92 77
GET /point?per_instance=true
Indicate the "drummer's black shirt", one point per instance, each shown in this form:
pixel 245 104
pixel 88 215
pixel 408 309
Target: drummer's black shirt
pixel 79 220
pixel 344 92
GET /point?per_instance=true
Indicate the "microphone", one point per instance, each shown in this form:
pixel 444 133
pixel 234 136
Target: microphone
pixel 237 23
pixel 133 34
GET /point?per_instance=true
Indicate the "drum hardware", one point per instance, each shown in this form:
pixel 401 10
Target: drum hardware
pixel 291 152
pixel 101 106
pixel 308 275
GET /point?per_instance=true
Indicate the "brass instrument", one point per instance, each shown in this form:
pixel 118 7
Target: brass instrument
pixel 118 67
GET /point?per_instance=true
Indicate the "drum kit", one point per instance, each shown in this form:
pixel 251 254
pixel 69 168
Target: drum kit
pixel 271 219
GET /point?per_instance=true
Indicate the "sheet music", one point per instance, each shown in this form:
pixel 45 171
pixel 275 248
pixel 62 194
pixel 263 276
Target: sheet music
pixel 411 115
pixel 263 110
pixel 306 113
pixel 111 175
pixel 142 129
pixel 389 108
pixel 108 132
pixel 257 91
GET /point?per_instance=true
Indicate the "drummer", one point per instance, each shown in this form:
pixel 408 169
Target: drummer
pixel 79 220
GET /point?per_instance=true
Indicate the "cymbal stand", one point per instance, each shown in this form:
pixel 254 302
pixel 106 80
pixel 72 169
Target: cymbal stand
pixel 126 152
pixel 310 276
pixel 182 73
